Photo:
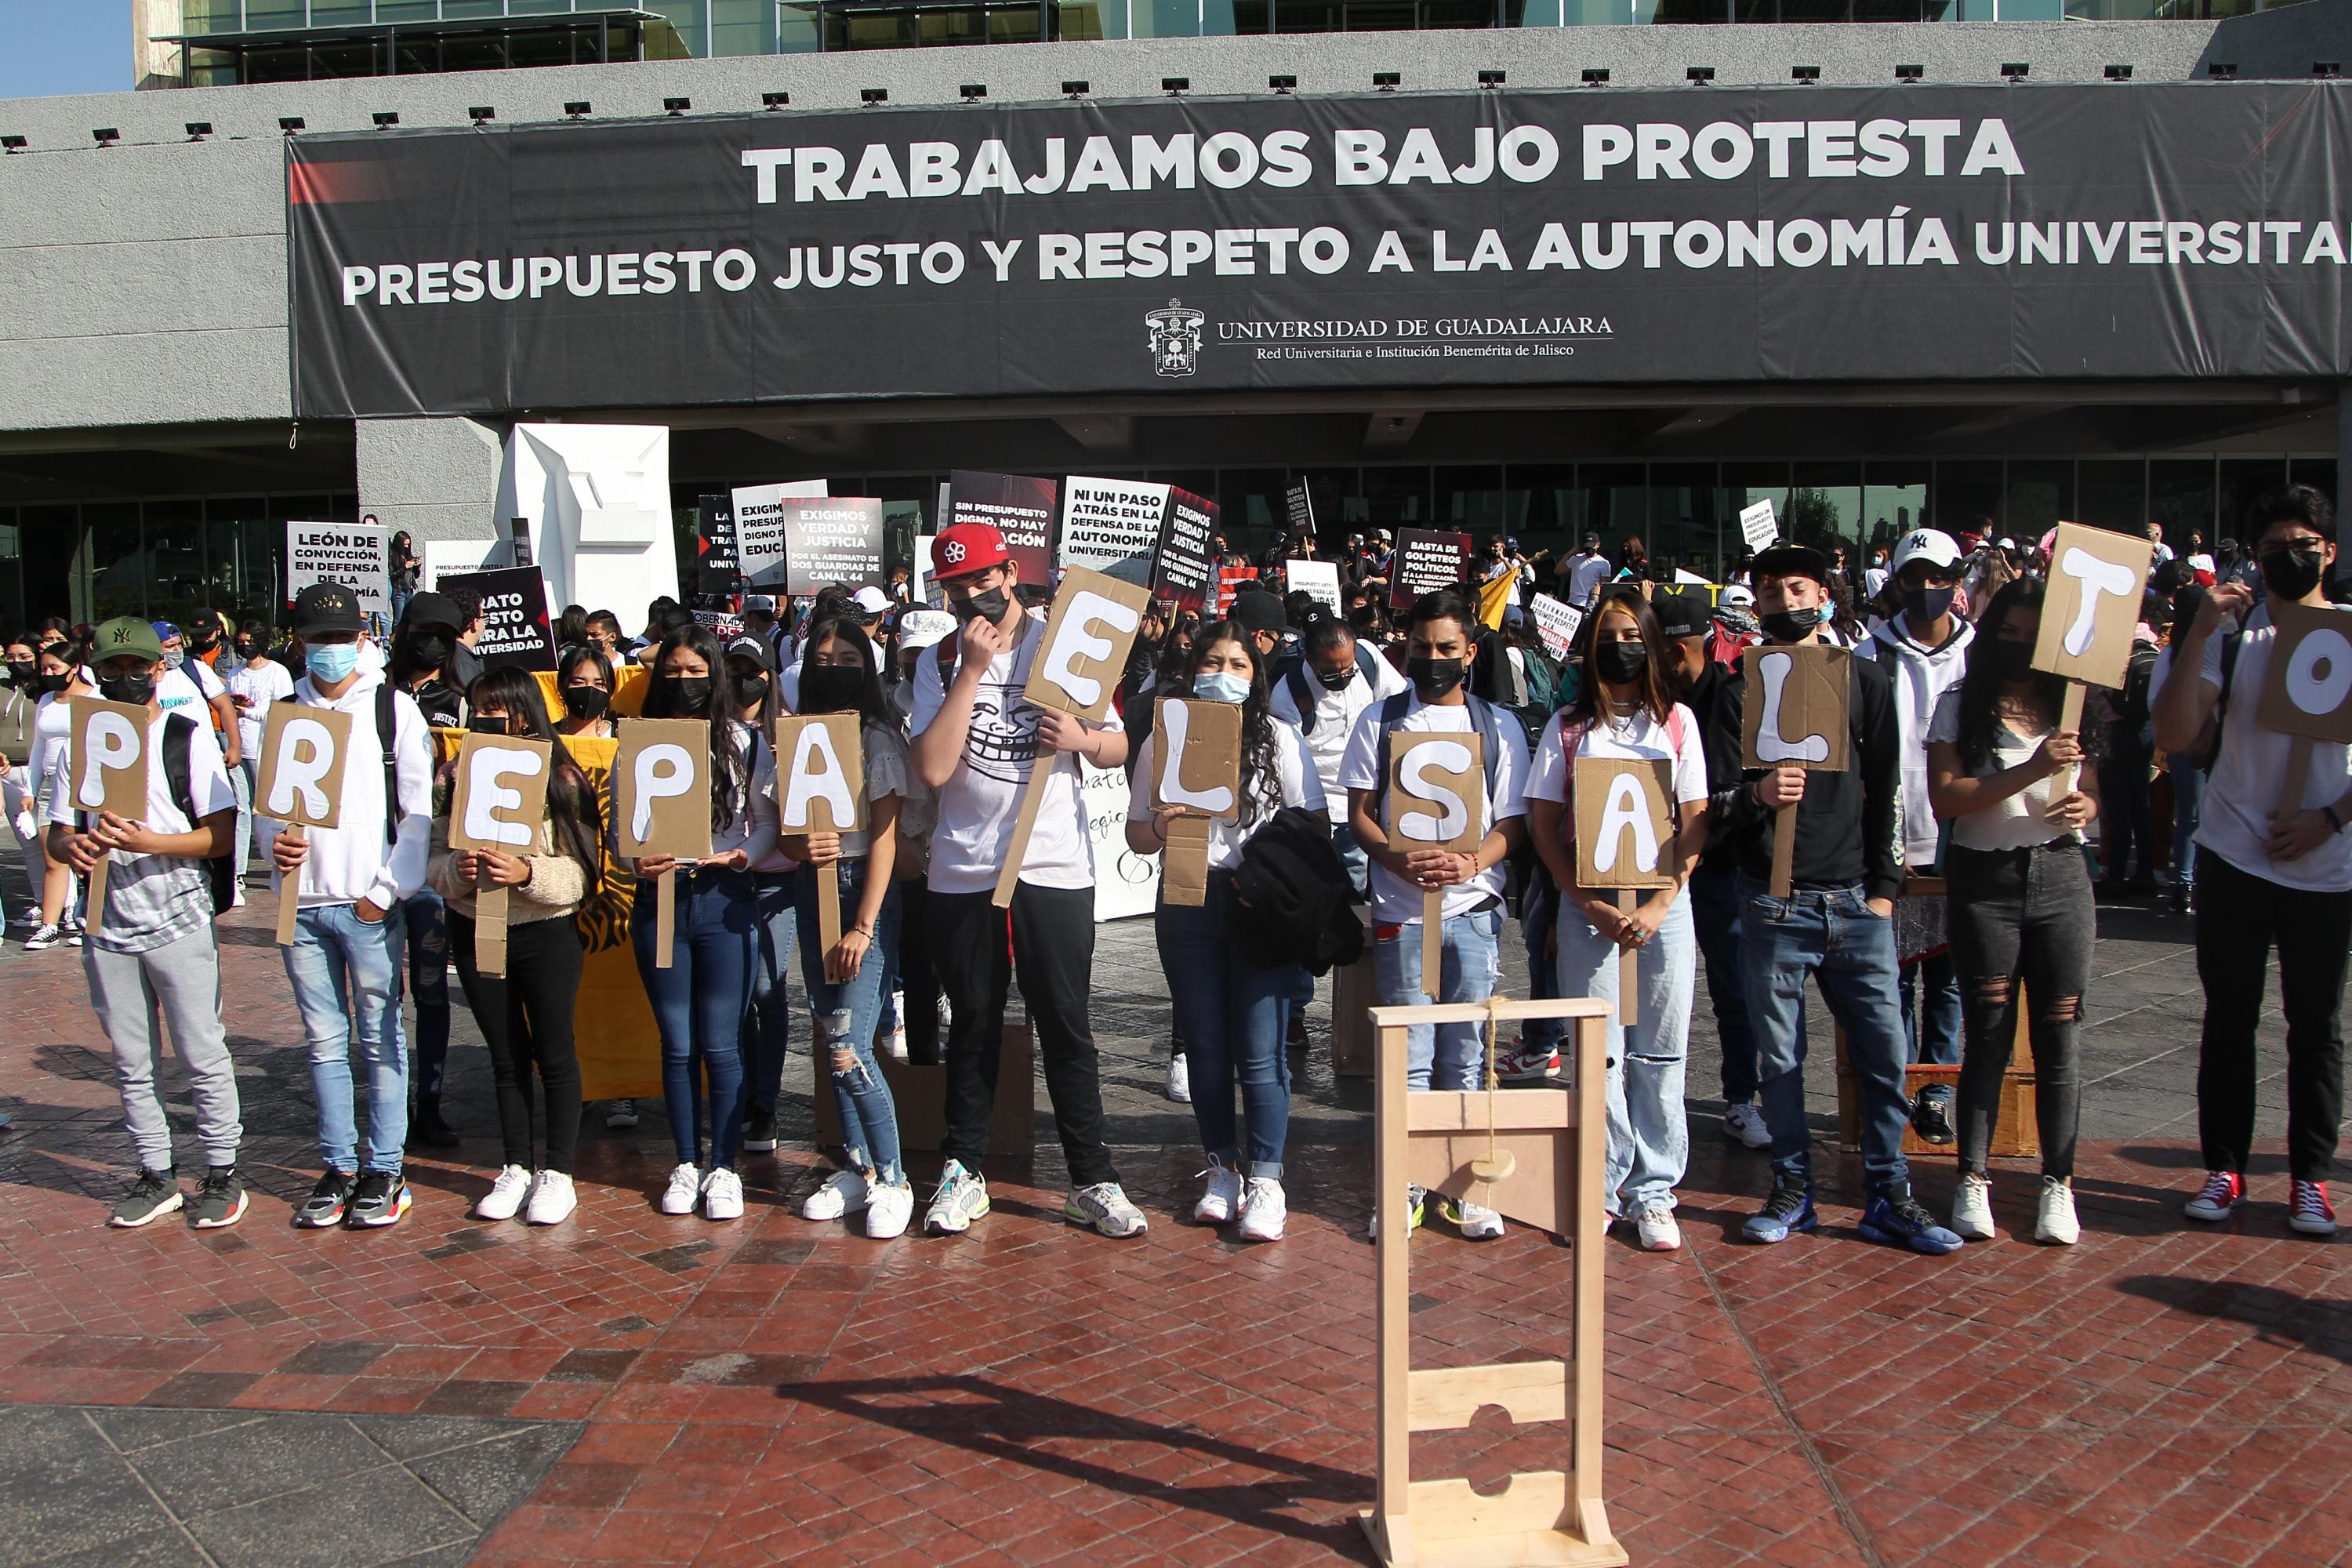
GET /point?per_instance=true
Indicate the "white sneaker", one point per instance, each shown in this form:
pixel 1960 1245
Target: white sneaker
pixel 961 1198
pixel 1746 1124
pixel 621 1114
pixel 1223 1199
pixel 843 1191
pixel 898 1047
pixel 889 1210
pixel 2054 1222
pixel 722 1195
pixel 1179 1080
pixel 685 1188
pixel 1972 1209
pixel 1104 1207
pixel 504 1200
pixel 1264 1210
pixel 1476 1222
pixel 553 1199
pixel 1656 1229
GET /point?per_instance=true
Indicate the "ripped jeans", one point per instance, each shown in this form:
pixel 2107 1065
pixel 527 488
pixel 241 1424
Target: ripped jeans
pixel 847 1015
pixel 2022 916
pixel 1649 1132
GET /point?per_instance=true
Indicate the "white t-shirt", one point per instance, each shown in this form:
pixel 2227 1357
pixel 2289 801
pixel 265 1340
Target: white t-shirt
pixel 981 799
pixel 52 731
pixel 2251 770
pixel 1336 714
pixel 151 899
pixel 187 689
pixel 2019 822
pixel 1293 784
pixel 259 687
pixel 1640 739
pixel 887 773
pixel 1396 901
pixel 1588 573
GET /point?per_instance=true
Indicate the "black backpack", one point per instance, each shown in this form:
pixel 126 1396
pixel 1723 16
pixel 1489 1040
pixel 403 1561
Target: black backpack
pixel 220 870
pixel 1302 694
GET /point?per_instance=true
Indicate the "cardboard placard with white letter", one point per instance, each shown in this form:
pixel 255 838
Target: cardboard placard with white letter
pixel 821 785
pixel 2307 689
pixel 496 803
pixel 1197 770
pixel 108 769
pixel 1626 840
pixel 661 806
pixel 300 784
pixel 1437 800
pixel 2096 578
pixel 1794 717
pixel 1078 667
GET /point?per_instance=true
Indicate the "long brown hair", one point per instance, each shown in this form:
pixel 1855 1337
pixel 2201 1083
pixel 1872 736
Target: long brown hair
pixel 1657 698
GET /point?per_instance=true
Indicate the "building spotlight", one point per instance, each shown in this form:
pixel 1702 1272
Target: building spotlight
pixel 675 107
pixel 1282 83
pixel 772 101
pixel 1387 82
pixel 1596 75
pixel 1074 88
pixel 106 136
pixel 199 130
pixel 576 107
pixel 2119 73
pixel 1909 73
pixel 870 96
pixel 2014 70
pixel 291 124
pixel 482 113
pixel 385 119
pixel 1699 75
pixel 1490 79
pixel 1174 85
pixel 12 143
pixel 2327 69
pixel 973 91
pixel 2222 70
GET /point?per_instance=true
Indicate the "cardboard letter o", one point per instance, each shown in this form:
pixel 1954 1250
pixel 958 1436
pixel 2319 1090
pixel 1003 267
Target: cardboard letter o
pixel 2312 692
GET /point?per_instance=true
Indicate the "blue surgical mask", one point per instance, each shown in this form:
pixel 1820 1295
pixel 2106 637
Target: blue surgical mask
pixel 332 662
pixel 1220 686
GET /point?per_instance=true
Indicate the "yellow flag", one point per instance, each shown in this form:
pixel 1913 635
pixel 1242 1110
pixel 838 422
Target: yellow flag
pixel 1495 595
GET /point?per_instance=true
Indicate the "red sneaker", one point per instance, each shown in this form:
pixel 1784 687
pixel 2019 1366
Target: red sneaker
pixel 2218 1198
pixel 2308 1210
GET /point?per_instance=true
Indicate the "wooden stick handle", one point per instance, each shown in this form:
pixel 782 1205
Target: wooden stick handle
pixel 491 907
pixel 1784 849
pixel 1629 965
pixel 828 909
pixel 665 916
pixel 98 891
pixel 1433 943
pixel 2070 721
pixel 2299 773
pixel 289 888
pixel 1016 849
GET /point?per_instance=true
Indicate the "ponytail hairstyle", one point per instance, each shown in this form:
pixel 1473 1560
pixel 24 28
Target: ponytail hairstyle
pixel 1260 780
pixel 572 803
pixel 730 768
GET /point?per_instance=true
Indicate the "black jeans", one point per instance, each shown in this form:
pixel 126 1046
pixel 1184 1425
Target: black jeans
pixel 2239 916
pixel 525 1017
pixel 918 979
pixel 2125 819
pixel 1053 947
pixel 2022 914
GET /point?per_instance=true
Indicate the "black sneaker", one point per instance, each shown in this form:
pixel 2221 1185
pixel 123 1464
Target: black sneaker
pixel 154 1194
pixel 380 1199
pixel 220 1201
pixel 426 1127
pixel 759 1130
pixel 325 1205
pixel 1931 1118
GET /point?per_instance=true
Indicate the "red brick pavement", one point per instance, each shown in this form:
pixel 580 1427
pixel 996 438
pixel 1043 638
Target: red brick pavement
pixel 778 1391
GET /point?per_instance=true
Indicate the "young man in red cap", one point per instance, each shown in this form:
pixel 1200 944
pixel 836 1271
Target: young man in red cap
pixel 976 740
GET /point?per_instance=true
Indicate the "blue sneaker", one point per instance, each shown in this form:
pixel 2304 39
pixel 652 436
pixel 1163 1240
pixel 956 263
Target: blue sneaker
pixel 1790 1207
pixel 1896 1217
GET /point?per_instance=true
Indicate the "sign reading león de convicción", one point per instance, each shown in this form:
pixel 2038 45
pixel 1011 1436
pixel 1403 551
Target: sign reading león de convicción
pixel 351 553
pixel 1489 238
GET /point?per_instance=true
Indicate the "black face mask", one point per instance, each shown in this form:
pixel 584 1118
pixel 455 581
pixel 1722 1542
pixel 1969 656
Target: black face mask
pixel 988 606
pixel 246 648
pixel 21 674
pixel 2292 573
pixel 430 650
pixel 690 695
pixel 1336 679
pixel 1791 625
pixel 1927 604
pixel 56 682
pixel 2011 660
pixel 586 701
pixel 202 642
pixel 136 689
pixel 490 724
pixel 1434 677
pixel 747 689
pixel 830 688
pixel 1620 663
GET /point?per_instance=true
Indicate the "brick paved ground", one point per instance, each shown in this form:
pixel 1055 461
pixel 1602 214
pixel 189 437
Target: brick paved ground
pixel 775 1391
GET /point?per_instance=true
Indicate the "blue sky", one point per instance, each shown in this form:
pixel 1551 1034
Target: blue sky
pixel 64 46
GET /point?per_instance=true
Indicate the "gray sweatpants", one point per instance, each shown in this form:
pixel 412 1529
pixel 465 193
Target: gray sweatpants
pixel 180 982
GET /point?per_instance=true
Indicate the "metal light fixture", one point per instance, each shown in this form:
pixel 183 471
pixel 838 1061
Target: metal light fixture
pixel 973 91
pixel 482 113
pixel 12 143
pixel 385 119
pixel 1387 82
pixel 1806 74
pixel 199 130
pixel 291 124
pixel 1490 79
pixel 1282 83
pixel 870 96
pixel 1596 75
pixel 1909 73
pixel 577 108
pixel 107 136
pixel 1699 75
pixel 676 107
pixel 2119 73
pixel 2222 70
pixel 772 101
pixel 2014 70
pixel 1074 88
pixel 2327 69
pixel 1174 85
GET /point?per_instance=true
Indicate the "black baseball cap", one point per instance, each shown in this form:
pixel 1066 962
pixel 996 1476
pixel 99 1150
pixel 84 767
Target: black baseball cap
pixel 433 610
pixel 754 648
pixel 1257 611
pixel 1791 560
pixel 1680 614
pixel 326 607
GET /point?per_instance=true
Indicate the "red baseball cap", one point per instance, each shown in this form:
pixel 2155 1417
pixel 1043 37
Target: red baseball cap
pixel 966 547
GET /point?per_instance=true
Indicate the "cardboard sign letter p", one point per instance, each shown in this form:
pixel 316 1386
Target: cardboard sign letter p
pixel 661 787
pixel 110 757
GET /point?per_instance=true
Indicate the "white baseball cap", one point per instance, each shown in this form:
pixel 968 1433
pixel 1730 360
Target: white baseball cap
pixel 1736 595
pixel 760 602
pixel 1932 545
pixel 925 628
pixel 871 600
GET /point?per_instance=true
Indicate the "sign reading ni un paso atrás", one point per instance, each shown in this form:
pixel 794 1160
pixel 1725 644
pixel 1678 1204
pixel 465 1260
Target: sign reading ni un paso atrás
pixel 1391 240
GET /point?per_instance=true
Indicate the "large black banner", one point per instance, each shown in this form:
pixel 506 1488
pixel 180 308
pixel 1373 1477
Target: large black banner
pixel 1492 238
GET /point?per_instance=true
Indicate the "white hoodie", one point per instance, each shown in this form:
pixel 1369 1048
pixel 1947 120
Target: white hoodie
pixel 357 860
pixel 1921 676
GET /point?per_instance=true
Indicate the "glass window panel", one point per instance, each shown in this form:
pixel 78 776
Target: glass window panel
pixel 2040 492
pixel 1472 499
pixel 1252 498
pixel 1016 24
pixel 1385 16
pixel 211 15
pixel 1824 505
pixel 345 60
pixel 1757 10
pixel 1813 10
pixel 474 52
pixel 1894 501
pixel 2317 472
pixel 1888 11
pixel 416 56
pixel 1397 498
pixel 461 10
pixel 2180 496
pixel 541 46
pixel 2243 480
pixel 743 26
pixel 1691 11
pixel 1086 20
pixel 2053 10
pixel 689 16
pixel 1543 504
pixel 1683 517
pixel 1227 18
pixel 405 10
pixel 2112 493
pixel 264 14
pixel 1309 15
pixel 1967 498
pixel 1616 500
pixel 276 65
pixel 1531 13
pixel 113 563
pixel 797 31
pixel 534 7
pixel 1596 13
pixel 1164 18
pixel 177 585
pixel 342 12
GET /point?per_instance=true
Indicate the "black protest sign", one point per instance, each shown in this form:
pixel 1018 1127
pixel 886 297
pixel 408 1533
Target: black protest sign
pixel 1427 561
pixel 515 630
pixel 715 567
pixel 1020 508
pixel 831 541
pixel 1182 574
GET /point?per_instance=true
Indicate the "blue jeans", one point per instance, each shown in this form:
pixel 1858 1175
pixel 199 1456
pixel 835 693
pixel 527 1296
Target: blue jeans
pixel 1233 1012
pixel 1448 1056
pixel 1850 952
pixel 699 1004
pixel 1931 1027
pixel 242 779
pixel 2188 804
pixel 426 918
pixel 346 978
pixel 769 1037
pixel 847 1014
pixel 1649 1132
pixel 1360 865
pixel 1538 911
pixel 1716 904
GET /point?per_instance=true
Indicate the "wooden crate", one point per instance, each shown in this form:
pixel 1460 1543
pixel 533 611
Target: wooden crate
pixel 2015 1135
pixel 921 1095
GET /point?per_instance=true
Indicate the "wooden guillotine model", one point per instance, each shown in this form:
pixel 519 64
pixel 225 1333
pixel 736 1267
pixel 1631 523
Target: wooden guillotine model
pixel 1536 1155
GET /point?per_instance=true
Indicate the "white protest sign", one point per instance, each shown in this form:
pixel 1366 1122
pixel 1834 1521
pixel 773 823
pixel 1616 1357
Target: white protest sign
pixel 1756 525
pixel 759 527
pixel 1317 579
pixel 1556 623
pixel 1111 526
pixel 351 553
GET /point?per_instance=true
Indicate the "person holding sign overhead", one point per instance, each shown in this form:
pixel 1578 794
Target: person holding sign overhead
pixel 1230 1002
pixel 2275 865
pixel 352 881
pixel 1820 859
pixel 978 740
pixel 1623 712
pixel 525 1012
pixel 702 994
pixel 150 952
pixel 848 971
pixel 1463 887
